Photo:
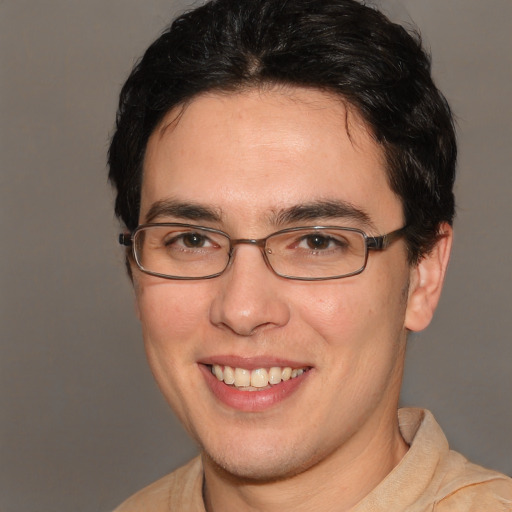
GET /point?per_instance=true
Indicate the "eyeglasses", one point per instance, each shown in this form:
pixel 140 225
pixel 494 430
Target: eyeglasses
pixel 185 251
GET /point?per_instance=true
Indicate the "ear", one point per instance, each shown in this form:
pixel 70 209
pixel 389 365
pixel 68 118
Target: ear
pixel 426 282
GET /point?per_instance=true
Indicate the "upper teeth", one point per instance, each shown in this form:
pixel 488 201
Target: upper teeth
pixel 259 378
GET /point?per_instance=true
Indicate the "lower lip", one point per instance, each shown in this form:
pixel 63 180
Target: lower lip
pixel 251 401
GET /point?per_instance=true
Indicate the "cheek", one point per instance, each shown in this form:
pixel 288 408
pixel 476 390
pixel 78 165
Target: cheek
pixel 170 312
pixel 171 317
pixel 362 341
pixel 352 315
pixel 337 310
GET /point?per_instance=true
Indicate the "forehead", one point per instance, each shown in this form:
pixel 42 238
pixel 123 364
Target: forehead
pixel 252 152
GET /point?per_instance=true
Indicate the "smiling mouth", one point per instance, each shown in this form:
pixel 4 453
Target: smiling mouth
pixel 255 380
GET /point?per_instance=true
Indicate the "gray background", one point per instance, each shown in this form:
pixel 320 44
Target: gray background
pixel 82 423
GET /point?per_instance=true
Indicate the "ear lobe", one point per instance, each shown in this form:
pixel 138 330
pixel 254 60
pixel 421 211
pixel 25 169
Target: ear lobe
pixel 426 282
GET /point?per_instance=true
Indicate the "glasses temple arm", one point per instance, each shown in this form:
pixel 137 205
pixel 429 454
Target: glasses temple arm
pixel 379 243
pixel 125 239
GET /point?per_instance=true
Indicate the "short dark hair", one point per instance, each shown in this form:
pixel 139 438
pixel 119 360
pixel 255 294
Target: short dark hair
pixel 341 46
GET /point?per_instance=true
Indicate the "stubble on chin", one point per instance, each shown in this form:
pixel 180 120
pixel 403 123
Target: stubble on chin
pixel 257 470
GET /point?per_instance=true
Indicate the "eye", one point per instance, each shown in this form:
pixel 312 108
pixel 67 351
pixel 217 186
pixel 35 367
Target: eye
pixel 320 242
pixel 194 240
pixel 315 242
pixel 188 240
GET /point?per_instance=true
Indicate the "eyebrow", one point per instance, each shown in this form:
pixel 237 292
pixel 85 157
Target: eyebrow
pixel 307 212
pixel 182 210
pixel 324 209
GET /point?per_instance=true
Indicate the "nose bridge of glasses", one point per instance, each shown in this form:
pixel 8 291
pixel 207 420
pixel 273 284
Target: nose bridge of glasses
pixel 259 242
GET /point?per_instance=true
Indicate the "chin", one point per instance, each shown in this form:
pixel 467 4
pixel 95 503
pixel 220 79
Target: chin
pixel 256 471
pixel 259 465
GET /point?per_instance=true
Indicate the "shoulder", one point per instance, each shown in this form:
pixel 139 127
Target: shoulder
pixel 431 477
pixel 167 493
pixel 468 487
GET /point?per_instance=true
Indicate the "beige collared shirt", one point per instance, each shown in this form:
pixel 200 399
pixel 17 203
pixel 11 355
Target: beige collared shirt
pixel 429 478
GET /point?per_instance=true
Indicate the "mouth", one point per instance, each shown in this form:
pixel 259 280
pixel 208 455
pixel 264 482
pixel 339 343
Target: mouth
pixel 253 386
pixel 259 379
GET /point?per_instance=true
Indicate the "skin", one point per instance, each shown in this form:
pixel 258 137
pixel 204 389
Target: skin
pixel 247 156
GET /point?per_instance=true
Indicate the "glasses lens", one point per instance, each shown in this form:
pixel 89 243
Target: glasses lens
pixel 179 251
pixel 317 253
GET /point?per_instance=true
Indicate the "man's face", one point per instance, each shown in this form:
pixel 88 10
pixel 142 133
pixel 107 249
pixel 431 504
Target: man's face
pixel 245 161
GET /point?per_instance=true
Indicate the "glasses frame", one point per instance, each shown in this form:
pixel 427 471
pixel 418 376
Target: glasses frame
pixel 374 243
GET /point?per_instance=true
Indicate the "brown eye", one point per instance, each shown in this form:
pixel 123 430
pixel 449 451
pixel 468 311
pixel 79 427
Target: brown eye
pixel 317 242
pixel 193 240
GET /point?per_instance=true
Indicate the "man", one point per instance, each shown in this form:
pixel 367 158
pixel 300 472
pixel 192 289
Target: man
pixel 284 171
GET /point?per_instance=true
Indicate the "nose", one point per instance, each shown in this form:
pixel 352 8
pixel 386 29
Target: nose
pixel 250 297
